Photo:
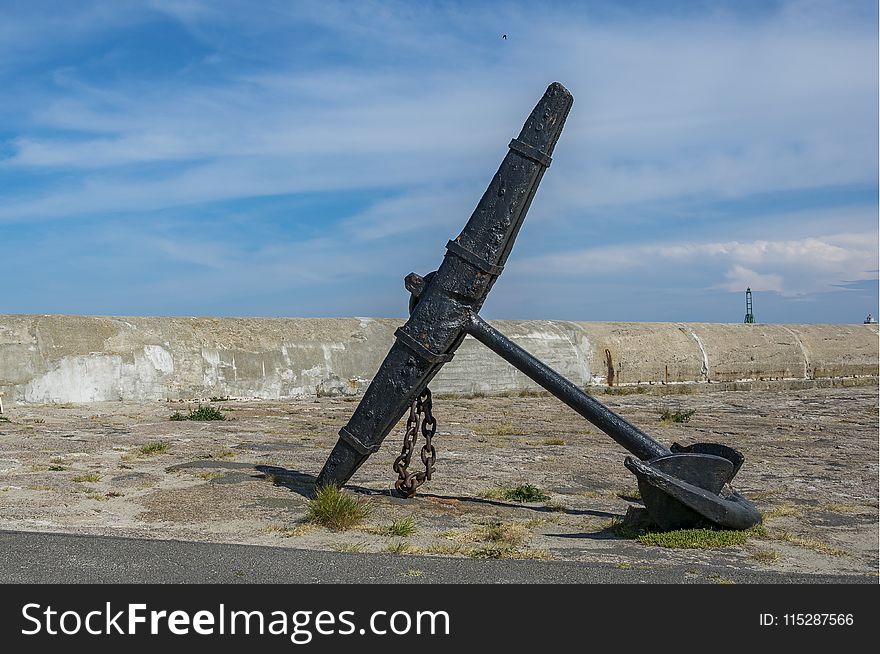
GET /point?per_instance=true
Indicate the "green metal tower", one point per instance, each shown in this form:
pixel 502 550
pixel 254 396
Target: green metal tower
pixel 750 317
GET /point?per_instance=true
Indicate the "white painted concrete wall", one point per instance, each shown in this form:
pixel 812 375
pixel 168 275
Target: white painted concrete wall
pixel 51 358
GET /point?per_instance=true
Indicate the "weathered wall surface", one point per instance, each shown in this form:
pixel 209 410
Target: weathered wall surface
pixel 87 359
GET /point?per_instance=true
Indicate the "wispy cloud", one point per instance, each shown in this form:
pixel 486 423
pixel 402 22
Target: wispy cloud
pixel 790 267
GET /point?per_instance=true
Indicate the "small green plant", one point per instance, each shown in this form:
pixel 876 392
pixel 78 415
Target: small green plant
pixel 553 441
pixel 90 477
pixel 4 418
pixel 57 468
pixel 521 493
pixel 336 510
pixel 526 493
pixel 154 448
pixel 630 495
pixel 403 527
pixel 412 572
pixel 668 416
pixel 214 398
pixel 201 413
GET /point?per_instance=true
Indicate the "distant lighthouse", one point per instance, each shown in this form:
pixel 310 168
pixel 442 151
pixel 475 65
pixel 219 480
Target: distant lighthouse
pixel 750 317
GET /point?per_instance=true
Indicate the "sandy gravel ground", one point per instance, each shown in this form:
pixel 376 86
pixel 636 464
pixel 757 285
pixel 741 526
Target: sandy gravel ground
pixel 811 467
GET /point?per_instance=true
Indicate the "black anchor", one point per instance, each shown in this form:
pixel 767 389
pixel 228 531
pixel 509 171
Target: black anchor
pixel 680 486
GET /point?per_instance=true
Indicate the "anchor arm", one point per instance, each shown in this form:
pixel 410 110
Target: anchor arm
pixel 623 432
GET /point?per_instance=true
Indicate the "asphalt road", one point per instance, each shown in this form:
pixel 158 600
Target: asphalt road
pixel 35 558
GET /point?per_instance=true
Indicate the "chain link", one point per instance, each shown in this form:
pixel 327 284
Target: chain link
pixel 420 415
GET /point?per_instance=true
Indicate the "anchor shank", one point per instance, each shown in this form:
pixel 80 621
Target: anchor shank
pixel 472 263
pixel 624 433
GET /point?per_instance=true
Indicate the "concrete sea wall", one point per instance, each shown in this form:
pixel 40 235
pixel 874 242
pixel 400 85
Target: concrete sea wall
pixel 53 358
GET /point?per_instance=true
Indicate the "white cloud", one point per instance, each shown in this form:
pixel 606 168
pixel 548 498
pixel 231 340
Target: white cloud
pixel 791 267
pixel 739 278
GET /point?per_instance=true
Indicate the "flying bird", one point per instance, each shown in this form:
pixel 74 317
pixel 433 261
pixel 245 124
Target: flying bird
pixel 504 36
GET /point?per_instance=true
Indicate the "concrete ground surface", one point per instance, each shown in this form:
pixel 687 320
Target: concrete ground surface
pixel 124 469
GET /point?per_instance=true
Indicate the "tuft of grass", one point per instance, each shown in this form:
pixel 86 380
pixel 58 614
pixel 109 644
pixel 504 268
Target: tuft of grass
pixel 623 565
pixel 57 468
pixel 98 497
pixel 348 547
pixel 623 530
pixel 400 547
pixel 403 527
pixel 766 556
pixel 501 532
pixel 444 549
pixel 335 510
pixel 504 552
pixel 630 495
pixel 718 579
pixel 696 538
pixel 507 552
pixel 4 418
pixel 809 543
pixel 115 494
pixel 839 507
pixel 222 455
pixel 90 477
pixel 289 532
pixel 210 475
pixel 781 511
pixel 214 398
pixel 412 572
pixel 201 413
pixel 553 441
pixel 668 416
pixel 502 429
pixel 553 505
pixel 526 493
pixel 625 390
pixel 154 448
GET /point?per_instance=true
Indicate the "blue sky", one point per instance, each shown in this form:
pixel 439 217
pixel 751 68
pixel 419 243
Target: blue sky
pixel 300 158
